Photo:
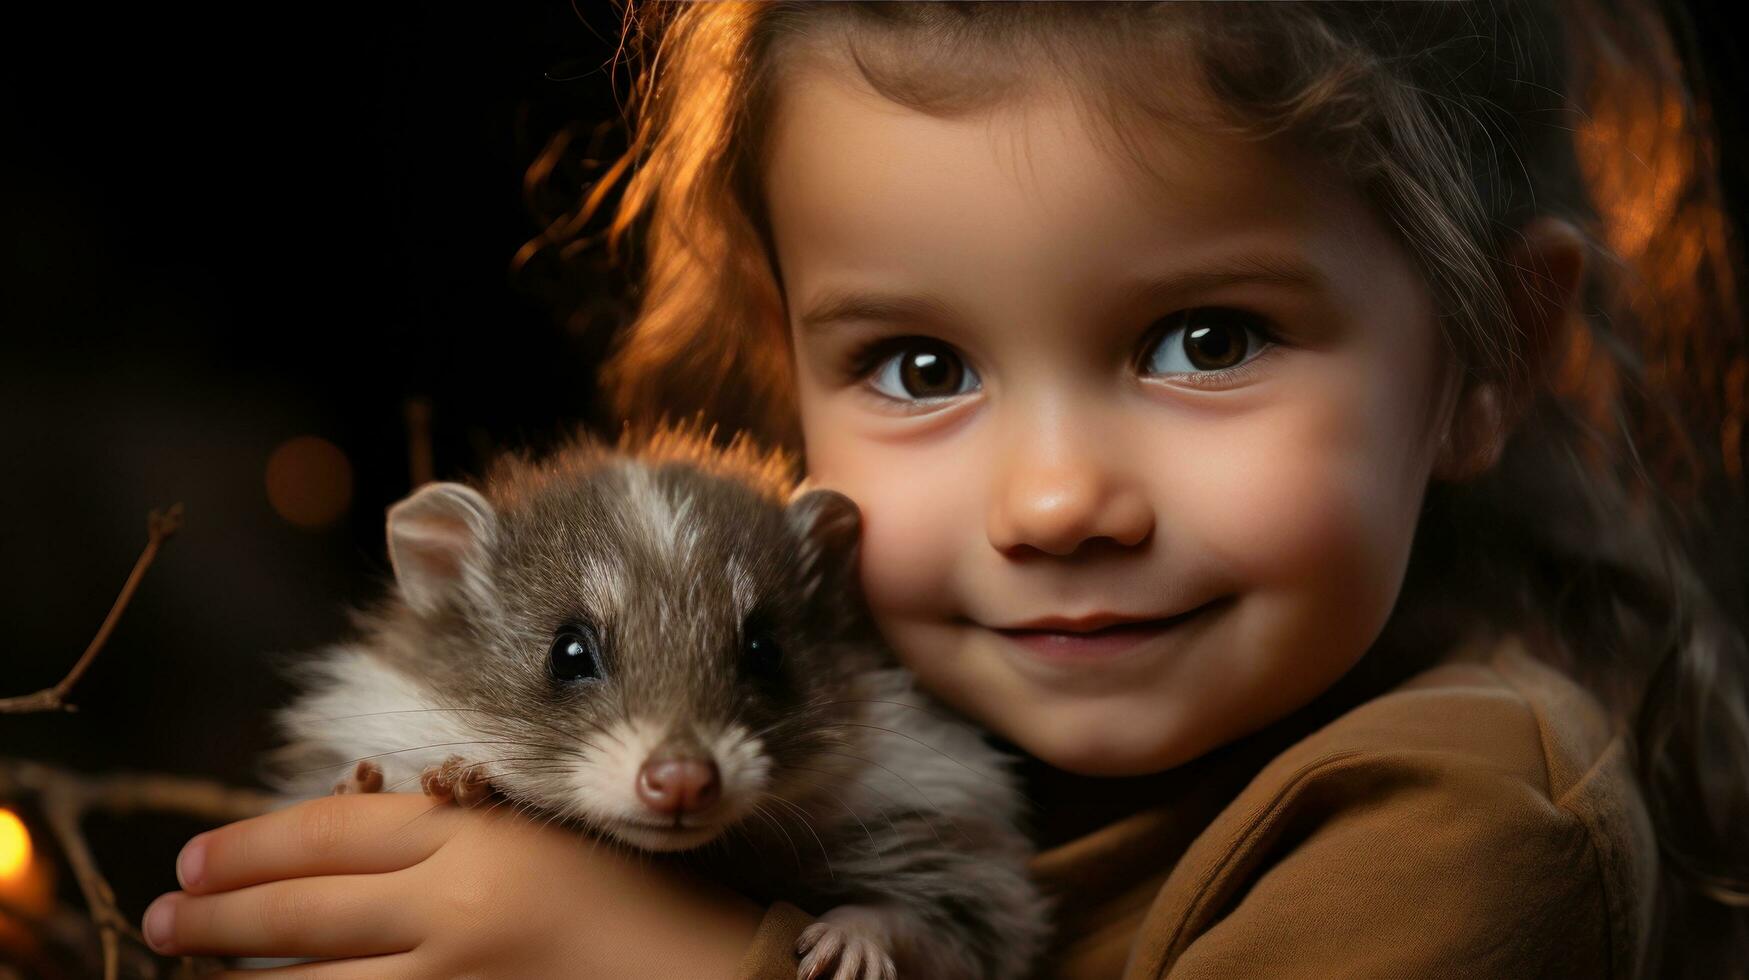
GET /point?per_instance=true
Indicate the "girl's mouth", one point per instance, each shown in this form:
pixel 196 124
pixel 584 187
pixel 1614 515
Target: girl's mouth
pixel 1066 646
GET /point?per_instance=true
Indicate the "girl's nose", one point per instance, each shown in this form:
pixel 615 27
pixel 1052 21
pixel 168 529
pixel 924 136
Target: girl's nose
pixel 1056 504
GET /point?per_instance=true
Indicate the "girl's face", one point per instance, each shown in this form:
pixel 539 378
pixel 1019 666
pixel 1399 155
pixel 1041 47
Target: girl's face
pixel 1058 388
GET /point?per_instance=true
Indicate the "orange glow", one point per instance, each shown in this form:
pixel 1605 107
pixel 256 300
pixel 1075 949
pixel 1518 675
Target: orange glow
pixel 14 847
pixel 309 481
pixel 1651 171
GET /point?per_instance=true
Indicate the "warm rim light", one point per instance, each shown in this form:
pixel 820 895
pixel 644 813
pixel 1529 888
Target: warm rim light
pixel 14 845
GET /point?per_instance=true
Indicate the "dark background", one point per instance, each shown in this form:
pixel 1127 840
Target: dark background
pixel 229 227
pixel 223 228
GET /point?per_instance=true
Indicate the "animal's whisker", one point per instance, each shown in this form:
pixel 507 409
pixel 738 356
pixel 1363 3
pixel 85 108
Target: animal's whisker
pixel 809 825
pixel 493 715
pixel 790 718
pixel 921 812
pixel 903 704
pixel 995 779
pixel 847 809
pixel 540 764
pixel 419 748
pixel 496 723
pixel 759 809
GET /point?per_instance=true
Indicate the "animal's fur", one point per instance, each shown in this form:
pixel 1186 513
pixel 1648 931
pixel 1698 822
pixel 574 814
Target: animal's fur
pixel 843 788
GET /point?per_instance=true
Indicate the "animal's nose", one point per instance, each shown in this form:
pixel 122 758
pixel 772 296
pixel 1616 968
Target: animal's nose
pixel 676 786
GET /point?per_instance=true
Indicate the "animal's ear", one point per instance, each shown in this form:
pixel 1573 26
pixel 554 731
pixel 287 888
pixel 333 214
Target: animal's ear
pixel 829 525
pixel 439 540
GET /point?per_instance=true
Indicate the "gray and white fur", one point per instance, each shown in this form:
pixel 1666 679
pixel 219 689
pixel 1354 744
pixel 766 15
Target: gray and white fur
pixel 665 643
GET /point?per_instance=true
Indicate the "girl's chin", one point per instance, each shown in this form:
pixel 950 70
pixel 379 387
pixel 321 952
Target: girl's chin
pixel 1101 746
pixel 1102 764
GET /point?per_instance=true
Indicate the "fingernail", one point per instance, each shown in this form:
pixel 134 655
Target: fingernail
pixel 191 863
pixel 159 923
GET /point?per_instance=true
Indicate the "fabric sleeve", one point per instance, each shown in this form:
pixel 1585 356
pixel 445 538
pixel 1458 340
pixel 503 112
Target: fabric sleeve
pixel 1377 870
pixel 772 956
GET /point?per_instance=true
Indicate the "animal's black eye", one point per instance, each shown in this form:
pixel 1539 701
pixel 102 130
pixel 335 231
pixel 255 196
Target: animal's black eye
pixel 575 654
pixel 760 652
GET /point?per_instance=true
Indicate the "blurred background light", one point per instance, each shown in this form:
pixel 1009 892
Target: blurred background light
pixel 309 481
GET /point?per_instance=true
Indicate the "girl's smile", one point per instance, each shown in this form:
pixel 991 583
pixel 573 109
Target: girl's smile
pixel 1117 653
pixel 1060 386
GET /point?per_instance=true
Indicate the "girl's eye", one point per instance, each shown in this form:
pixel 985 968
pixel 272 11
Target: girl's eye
pixel 1208 343
pixel 914 368
pixel 575 654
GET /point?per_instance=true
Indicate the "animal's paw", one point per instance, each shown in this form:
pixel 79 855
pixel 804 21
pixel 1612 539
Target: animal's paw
pixel 456 781
pixel 851 942
pixel 367 777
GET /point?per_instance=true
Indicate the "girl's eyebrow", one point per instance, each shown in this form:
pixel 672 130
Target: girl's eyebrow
pixel 848 306
pixel 1282 270
pixel 837 306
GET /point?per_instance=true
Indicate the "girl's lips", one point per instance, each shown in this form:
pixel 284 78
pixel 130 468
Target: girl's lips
pixel 1062 645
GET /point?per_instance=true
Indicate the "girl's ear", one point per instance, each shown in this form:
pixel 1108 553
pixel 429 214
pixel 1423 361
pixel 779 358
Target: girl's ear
pixel 1475 436
pixel 1543 296
pixel 439 540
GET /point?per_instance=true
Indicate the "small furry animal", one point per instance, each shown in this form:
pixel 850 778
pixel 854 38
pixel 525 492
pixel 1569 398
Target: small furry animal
pixel 665 644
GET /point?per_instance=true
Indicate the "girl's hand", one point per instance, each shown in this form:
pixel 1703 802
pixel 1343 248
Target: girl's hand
pixel 432 890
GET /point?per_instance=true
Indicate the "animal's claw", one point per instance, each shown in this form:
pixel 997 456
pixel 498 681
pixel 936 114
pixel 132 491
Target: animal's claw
pixel 846 944
pixel 367 777
pixel 456 781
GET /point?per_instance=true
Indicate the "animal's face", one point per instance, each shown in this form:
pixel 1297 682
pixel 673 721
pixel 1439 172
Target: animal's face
pixel 667 650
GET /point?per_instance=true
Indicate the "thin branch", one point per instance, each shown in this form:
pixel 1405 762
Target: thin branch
pixel 126 792
pixel 159 528
pixel 67 931
pixel 421 460
pixel 65 797
pixel 58 926
pixel 63 817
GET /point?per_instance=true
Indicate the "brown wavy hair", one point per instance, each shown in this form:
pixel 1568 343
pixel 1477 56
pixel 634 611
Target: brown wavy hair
pixel 1610 532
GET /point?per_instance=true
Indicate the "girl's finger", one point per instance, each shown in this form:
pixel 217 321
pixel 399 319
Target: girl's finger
pixel 362 833
pixel 335 915
pixel 395 966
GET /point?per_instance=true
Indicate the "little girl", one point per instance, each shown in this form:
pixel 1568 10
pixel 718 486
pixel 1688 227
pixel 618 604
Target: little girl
pixel 1238 437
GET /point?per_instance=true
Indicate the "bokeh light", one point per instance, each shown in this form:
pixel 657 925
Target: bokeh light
pixel 14 846
pixel 309 481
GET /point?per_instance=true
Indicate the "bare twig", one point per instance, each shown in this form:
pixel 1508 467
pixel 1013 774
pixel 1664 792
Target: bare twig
pixel 159 528
pixel 65 930
pixel 66 796
pixel 63 819
pixel 126 792
pixel 421 461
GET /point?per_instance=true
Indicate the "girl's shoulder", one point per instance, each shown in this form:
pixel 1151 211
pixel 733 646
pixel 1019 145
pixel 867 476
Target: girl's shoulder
pixel 1481 819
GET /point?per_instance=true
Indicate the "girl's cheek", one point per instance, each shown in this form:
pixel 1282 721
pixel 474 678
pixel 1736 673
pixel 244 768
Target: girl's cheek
pixel 1292 498
pixel 918 523
pixel 919 514
pixel 1310 506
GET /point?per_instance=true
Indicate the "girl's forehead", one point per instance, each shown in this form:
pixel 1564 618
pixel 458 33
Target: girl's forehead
pixel 858 185
pixel 827 119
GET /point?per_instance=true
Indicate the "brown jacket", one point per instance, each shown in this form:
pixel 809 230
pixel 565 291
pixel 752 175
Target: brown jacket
pixel 1480 819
